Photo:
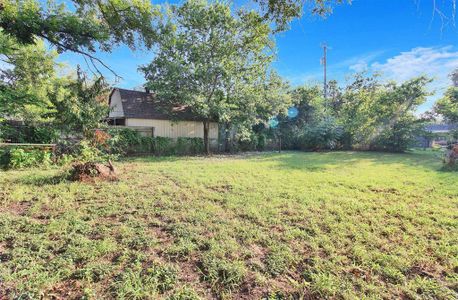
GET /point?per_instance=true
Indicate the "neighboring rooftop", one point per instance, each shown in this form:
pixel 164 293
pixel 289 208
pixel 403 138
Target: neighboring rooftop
pixel 441 127
pixel 144 105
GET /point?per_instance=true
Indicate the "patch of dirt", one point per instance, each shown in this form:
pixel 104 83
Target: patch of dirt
pixel 249 289
pixel 257 256
pixel 377 190
pixel 357 272
pixel 68 289
pixel 17 208
pixel 4 256
pixel 224 188
pixel 90 171
pixel 421 271
pixel 6 292
pixel 162 236
pixel 281 286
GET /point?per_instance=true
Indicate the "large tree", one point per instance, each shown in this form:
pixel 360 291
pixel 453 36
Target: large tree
pixel 25 77
pixel 33 89
pixel 382 116
pixel 215 62
pixel 447 106
pixel 83 26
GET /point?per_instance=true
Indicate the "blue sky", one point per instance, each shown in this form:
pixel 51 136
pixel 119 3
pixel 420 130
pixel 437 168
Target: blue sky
pixel 399 38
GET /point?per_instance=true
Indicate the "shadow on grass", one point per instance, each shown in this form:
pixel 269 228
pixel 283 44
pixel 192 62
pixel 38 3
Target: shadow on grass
pixel 42 180
pixel 316 161
pixel 151 158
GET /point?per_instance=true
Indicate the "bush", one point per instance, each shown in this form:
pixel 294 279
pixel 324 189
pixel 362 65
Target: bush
pixel 450 158
pixel 163 146
pixel 325 134
pixel 41 134
pixel 85 152
pixel 262 141
pixel 253 142
pixel 189 146
pixel 398 137
pixel 122 140
pixel 17 158
pixel 127 141
pixel 81 151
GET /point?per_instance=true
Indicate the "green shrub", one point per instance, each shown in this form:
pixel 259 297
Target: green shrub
pixel 189 146
pixel 262 141
pixel 123 140
pixel 17 158
pixel 325 134
pixel 398 137
pixel 163 146
pixel 39 134
pixel 128 141
pixel 86 152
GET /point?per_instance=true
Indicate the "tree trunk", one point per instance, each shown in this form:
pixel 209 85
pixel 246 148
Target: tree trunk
pixel 206 137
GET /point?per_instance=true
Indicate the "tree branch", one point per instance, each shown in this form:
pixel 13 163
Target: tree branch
pixel 90 56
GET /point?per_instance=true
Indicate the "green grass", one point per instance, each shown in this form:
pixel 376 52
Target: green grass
pixel 272 226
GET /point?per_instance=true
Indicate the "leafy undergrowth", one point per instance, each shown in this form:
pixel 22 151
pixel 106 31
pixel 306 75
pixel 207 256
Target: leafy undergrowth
pixel 272 226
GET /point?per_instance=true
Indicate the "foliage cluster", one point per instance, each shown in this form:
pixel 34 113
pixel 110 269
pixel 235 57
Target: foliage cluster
pixel 29 133
pixel 127 141
pixel 217 62
pixel 33 90
pixel 364 115
pixel 17 158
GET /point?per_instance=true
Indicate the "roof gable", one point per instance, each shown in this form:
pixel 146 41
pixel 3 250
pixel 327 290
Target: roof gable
pixel 441 127
pixel 143 105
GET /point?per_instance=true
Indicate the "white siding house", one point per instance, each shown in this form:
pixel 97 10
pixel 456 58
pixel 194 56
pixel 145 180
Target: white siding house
pixel 142 111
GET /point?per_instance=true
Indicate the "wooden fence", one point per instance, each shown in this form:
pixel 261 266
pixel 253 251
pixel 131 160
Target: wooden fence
pixel 50 147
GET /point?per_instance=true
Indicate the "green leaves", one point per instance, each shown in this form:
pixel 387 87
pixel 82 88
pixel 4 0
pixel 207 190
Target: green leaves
pixel 216 62
pixel 448 105
pixel 25 79
pixel 91 25
pixel 381 116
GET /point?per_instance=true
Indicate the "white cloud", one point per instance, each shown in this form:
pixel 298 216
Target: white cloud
pixel 359 63
pixel 360 66
pixel 434 62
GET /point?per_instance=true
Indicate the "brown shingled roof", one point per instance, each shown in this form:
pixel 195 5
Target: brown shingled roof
pixel 143 105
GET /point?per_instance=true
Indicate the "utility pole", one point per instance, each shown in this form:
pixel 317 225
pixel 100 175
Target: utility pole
pixel 324 62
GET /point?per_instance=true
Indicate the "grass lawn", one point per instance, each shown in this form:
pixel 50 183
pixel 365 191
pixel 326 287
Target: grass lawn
pixel 269 226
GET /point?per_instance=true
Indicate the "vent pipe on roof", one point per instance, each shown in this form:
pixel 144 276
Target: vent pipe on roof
pixel 147 90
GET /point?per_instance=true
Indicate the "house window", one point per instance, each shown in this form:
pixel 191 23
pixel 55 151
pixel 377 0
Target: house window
pixel 117 122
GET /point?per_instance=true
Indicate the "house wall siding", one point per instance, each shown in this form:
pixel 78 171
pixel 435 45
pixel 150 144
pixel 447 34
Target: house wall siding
pixel 116 110
pixel 175 129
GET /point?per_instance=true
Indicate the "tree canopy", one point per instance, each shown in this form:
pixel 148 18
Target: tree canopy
pixel 215 62
pixel 447 106
pixel 82 28
pixel 25 77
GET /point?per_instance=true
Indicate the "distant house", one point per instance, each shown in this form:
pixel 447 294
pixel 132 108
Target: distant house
pixel 142 111
pixel 438 134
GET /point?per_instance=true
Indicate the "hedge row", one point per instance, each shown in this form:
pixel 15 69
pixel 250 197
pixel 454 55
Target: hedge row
pixel 127 142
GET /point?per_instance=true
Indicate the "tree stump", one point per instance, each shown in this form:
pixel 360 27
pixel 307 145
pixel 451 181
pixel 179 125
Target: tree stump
pixel 90 171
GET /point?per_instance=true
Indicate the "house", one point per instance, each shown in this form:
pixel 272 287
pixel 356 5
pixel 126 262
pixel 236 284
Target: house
pixel 142 111
pixel 438 134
